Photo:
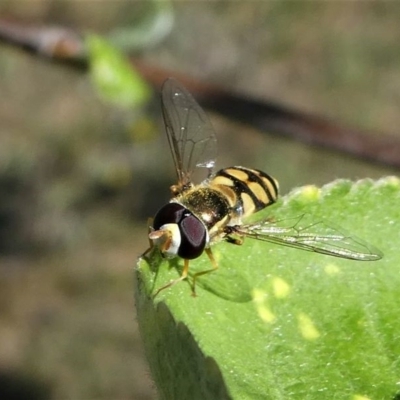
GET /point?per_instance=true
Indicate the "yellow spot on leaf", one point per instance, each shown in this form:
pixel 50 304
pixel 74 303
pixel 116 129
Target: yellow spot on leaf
pixel 266 314
pixel 360 397
pixel 259 296
pixel 391 181
pixel 307 328
pixel 280 287
pixel 332 269
pixel 311 192
pixel 262 307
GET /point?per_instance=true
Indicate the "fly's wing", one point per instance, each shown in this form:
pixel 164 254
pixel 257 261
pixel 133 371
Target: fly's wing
pixel 317 237
pixel 190 134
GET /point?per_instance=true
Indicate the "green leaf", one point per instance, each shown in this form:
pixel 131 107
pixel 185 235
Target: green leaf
pixel 279 323
pixel 114 76
pixel 146 28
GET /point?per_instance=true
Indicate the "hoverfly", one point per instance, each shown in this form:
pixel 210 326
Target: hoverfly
pixel 200 215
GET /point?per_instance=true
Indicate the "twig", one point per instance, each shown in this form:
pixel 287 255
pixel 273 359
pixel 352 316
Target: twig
pixel 66 47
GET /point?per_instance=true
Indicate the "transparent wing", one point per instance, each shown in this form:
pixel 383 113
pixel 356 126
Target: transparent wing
pixel 190 135
pixel 317 237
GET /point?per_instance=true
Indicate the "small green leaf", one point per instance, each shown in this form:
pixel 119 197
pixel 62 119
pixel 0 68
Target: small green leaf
pixel 316 327
pixel 113 75
pixel 146 29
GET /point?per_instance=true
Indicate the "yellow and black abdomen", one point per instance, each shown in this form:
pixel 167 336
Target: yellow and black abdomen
pixel 248 190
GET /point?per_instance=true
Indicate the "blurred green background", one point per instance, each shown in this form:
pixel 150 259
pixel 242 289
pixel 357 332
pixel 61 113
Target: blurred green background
pixel 79 176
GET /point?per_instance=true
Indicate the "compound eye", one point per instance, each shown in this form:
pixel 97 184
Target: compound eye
pixel 193 237
pixel 171 213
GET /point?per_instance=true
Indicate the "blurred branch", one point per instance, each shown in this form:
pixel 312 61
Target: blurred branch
pixel 54 43
pixel 65 46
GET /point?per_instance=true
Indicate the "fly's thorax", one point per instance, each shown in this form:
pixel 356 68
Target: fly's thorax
pixel 248 190
pixel 210 205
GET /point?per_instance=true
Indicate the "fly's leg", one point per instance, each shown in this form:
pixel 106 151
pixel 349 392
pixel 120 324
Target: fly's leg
pixel 231 235
pixel 214 267
pixel 150 229
pixel 174 282
pixel 235 240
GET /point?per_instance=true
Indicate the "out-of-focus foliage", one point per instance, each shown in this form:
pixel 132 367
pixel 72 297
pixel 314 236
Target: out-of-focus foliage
pixel 150 29
pixel 113 75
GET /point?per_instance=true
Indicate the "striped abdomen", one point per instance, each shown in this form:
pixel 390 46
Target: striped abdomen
pixel 248 190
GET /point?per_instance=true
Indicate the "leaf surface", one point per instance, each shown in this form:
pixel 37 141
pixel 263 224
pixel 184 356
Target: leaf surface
pixel 275 322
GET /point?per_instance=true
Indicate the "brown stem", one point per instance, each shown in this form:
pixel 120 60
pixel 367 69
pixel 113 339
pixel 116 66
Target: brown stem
pixel 66 47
